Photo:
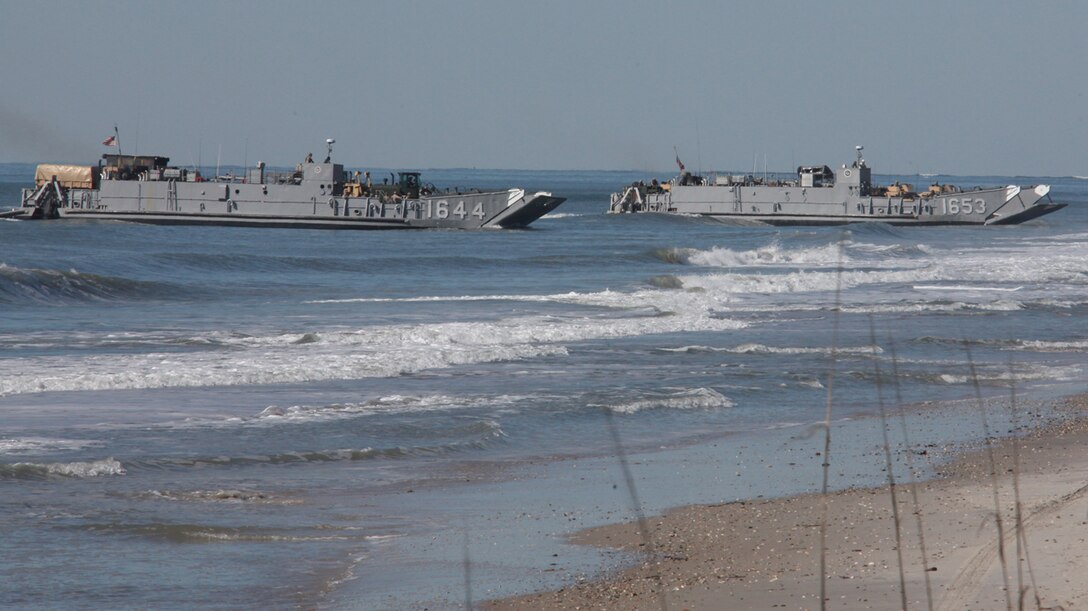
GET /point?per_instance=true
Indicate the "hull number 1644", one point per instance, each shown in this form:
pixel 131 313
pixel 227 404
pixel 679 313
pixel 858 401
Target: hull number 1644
pixel 441 209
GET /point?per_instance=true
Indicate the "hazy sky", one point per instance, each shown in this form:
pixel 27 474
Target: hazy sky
pixel 951 86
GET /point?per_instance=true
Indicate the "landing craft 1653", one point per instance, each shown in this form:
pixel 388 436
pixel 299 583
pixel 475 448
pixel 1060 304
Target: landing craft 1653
pixel 822 196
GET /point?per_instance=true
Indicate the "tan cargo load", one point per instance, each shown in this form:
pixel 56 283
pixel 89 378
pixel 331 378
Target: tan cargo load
pixel 69 176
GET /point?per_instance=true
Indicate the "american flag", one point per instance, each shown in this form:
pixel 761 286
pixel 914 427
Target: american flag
pixel 679 163
pixel 111 141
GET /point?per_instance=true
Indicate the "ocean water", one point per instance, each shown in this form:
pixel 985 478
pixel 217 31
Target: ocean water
pixel 272 418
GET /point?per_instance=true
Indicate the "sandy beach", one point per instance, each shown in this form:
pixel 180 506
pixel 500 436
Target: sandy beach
pixel 765 554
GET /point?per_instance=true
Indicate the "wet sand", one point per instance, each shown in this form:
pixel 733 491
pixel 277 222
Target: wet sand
pixel 765 554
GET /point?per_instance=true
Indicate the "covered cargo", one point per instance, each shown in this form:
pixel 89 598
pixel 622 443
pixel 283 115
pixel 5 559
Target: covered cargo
pixel 69 176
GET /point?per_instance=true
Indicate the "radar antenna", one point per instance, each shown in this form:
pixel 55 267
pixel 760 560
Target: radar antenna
pixel 860 162
pixel 328 149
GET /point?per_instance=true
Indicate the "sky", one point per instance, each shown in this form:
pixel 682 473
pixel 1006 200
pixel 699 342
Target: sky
pixel 965 87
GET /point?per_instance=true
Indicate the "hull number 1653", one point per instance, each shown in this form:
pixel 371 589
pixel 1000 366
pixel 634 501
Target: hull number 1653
pixel 954 205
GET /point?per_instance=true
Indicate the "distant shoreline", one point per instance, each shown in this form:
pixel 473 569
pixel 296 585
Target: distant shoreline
pixel 26 171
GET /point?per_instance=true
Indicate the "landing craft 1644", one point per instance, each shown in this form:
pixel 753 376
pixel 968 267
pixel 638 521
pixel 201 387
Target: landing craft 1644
pixel 822 196
pixel 146 189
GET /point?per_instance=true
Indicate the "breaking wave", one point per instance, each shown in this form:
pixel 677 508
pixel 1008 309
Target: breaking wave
pixel 696 398
pixel 393 404
pixel 772 254
pixel 220 496
pixel 958 374
pixel 383 351
pixel 473 436
pixel 1080 345
pixel 52 287
pixel 934 306
pixel 754 348
pixel 95 468
pixel 777 255
pixel 42 445
pixel 666 281
pixel 998 268
pixel 673 255
pixel 1027 271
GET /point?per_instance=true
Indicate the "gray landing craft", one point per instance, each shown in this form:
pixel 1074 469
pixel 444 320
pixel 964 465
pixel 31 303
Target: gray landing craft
pixel 145 189
pixel 822 196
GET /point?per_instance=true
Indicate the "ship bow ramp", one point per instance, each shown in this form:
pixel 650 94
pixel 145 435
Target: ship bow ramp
pixel 522 209
pixel 1023 204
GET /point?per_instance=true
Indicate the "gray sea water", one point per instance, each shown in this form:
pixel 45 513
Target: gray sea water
pixel 271 418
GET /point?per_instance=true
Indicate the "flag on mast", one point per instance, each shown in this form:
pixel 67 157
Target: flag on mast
pixel 114 140
pixel 678 162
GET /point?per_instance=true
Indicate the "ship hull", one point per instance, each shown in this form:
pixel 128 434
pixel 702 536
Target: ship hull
pixel 822 196
pixel 797 206
pixel 493 210
pixel 315 201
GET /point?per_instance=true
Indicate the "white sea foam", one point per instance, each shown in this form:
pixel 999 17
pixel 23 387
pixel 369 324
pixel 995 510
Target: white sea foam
pixel 94 468
pixel 445 298
pixel 1053 346
pixel 805 281
pixel 851 255
pixel 1059 258
pixel 382 351
pixel 772 254
pixel 924 306
pixel 783 425
pixel 692 348
pixel 754 348
pixel 221 496
pixel 1064 304
pixel 763 349
pixel 664 301
pixel 960 287
pixel 41 445
pixel 695 398
pixel 980 270
pixel 1056 274
pixel 220 535
pixel 387 405
pixel 1021 373
pixel 1029 270
pixel 1038 371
